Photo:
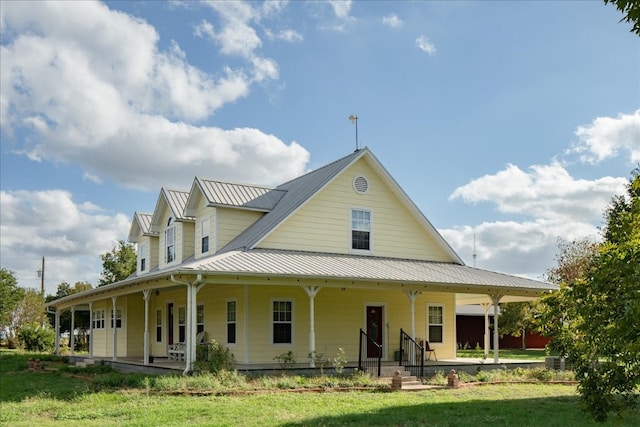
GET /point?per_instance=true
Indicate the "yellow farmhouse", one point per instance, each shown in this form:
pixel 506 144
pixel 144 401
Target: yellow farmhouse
pixel 337 258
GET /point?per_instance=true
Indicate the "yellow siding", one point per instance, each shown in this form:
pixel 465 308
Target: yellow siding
pixel 99 336
pixel 186 247
pixel 231 222
pixel 203 211
pixel 323 224
pixel 133 323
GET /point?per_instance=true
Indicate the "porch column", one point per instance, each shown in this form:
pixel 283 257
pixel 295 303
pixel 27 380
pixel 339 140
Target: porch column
pixel 190 348
pixel 312 291
pixel 57 329
pixel 115 328
pixel 72 342
pixel 485 307
pixel 412 299
pixel 146 294
pixel 91 330
pixel 495 299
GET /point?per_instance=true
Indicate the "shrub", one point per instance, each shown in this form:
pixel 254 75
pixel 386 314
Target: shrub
pixel 286 360
pixel 216 359
pixel 339 361
pixel 33 337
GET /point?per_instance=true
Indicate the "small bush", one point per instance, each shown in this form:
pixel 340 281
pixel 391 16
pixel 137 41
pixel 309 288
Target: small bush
pixel 33 337
pixel 339 361
pixel 541 374
pixel 215 358
pixel 286 360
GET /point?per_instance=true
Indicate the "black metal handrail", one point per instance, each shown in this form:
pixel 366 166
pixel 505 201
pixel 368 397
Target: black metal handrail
pixel 368 363
pixel 411 355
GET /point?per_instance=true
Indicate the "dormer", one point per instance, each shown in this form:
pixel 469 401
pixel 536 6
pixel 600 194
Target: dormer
pixel 222 210
pixel 146 242
pixel 175 229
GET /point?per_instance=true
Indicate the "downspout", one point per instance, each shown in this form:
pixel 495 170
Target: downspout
pixel 190 349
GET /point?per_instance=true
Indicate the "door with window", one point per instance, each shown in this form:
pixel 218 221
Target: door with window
pixel 374 329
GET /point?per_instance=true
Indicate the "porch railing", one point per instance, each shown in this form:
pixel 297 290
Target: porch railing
pixel 411 355
pixel 370 355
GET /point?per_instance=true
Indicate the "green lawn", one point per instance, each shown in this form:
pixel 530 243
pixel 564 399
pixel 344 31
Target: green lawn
pixel 74 397
pixel 535 354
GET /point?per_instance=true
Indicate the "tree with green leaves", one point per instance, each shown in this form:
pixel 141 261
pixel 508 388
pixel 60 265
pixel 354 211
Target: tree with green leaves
pixel 10 296
pixel 118 264
pixel 631 11
pixel 517 318
pixel 82 318
pixel 597 312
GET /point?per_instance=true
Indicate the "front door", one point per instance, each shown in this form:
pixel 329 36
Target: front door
pixel 374 329
pixel 170 323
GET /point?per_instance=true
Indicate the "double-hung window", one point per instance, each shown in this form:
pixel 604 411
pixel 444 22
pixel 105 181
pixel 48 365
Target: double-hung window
pixel 231 322
pixel 361 229
pixel 170 244
pixel 97 320
pixel 436 323
pixel 200 318
pixel 143 257
pixel 282 322
pixel 159 325
pixel 116 318
pixel 204 240
pixel 182 324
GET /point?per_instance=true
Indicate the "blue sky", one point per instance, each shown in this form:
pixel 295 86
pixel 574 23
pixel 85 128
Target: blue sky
pixel 513 121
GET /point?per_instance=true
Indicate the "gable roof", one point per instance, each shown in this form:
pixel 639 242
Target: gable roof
pixel 300 190
pixel 232 195
pixel 176 200
pixel 141 225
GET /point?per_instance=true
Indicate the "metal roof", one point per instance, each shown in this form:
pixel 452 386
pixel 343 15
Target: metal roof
pixel 255 197
pixel 177 200
pixel 357 267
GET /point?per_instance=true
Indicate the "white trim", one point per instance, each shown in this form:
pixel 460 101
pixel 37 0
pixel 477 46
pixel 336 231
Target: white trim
pixel 206 220
pixel 292 322
pixel 204 317
pixel 162 325
pixel 235 322
pixel 356 186
pixel 177 318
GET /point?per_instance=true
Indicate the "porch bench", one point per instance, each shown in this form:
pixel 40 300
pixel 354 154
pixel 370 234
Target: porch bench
pixel 176 351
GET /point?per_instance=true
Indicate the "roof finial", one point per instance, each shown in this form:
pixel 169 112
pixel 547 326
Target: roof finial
pixel 354 119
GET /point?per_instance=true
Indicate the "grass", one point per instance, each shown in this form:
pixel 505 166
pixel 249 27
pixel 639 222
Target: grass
pixel 97 396
pixel 529 354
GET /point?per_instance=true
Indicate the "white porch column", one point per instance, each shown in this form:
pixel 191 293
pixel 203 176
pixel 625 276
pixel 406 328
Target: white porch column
pixel 190 350
pixel 496 335
pixel 115 328
pixel 146 294
pixel 57 329
pixel 312 291
pixel 73 326
pixel 91 330
pixel 412 299
pixel 485 307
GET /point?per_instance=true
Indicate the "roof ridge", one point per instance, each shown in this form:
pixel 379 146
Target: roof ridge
pixel 267 187
pixel 322 167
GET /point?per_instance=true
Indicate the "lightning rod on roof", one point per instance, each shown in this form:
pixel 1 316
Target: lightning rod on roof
pixel 354 119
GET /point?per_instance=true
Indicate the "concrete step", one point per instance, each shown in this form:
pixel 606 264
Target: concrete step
pixel 415 387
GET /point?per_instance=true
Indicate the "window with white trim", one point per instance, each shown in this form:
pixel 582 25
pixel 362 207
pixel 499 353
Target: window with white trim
pixel 200 318
pixel 143 257
pixel 170 244
pixel 436 323
pixel 361 229
pixel 182 324
pixel 204 240
pixel 231 321
pixel 97 319
pixel 158 325
pixel 116 318
pixel 282 321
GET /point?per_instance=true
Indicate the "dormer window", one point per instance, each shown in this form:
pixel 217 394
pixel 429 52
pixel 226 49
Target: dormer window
pixel 204 241
pixel 143 257
pixel 170 244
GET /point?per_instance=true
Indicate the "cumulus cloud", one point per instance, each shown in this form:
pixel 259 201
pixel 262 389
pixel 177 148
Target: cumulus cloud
pixel 341 8
pixel 425 45
pixel 110 100
pixel 72 234
pixel 608 137
pixel 392 21
pixel 545 191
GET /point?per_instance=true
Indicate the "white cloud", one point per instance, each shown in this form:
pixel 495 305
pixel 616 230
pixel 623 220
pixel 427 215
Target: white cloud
pixel 392 21
pixel 607 137
pixel 72 234
pixel 110 100
pixel 425 45
pixel 546 191
pixel 291 36
pixel 341 8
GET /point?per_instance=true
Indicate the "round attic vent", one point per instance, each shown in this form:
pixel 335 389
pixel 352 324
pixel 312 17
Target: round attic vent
pixel 360 184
